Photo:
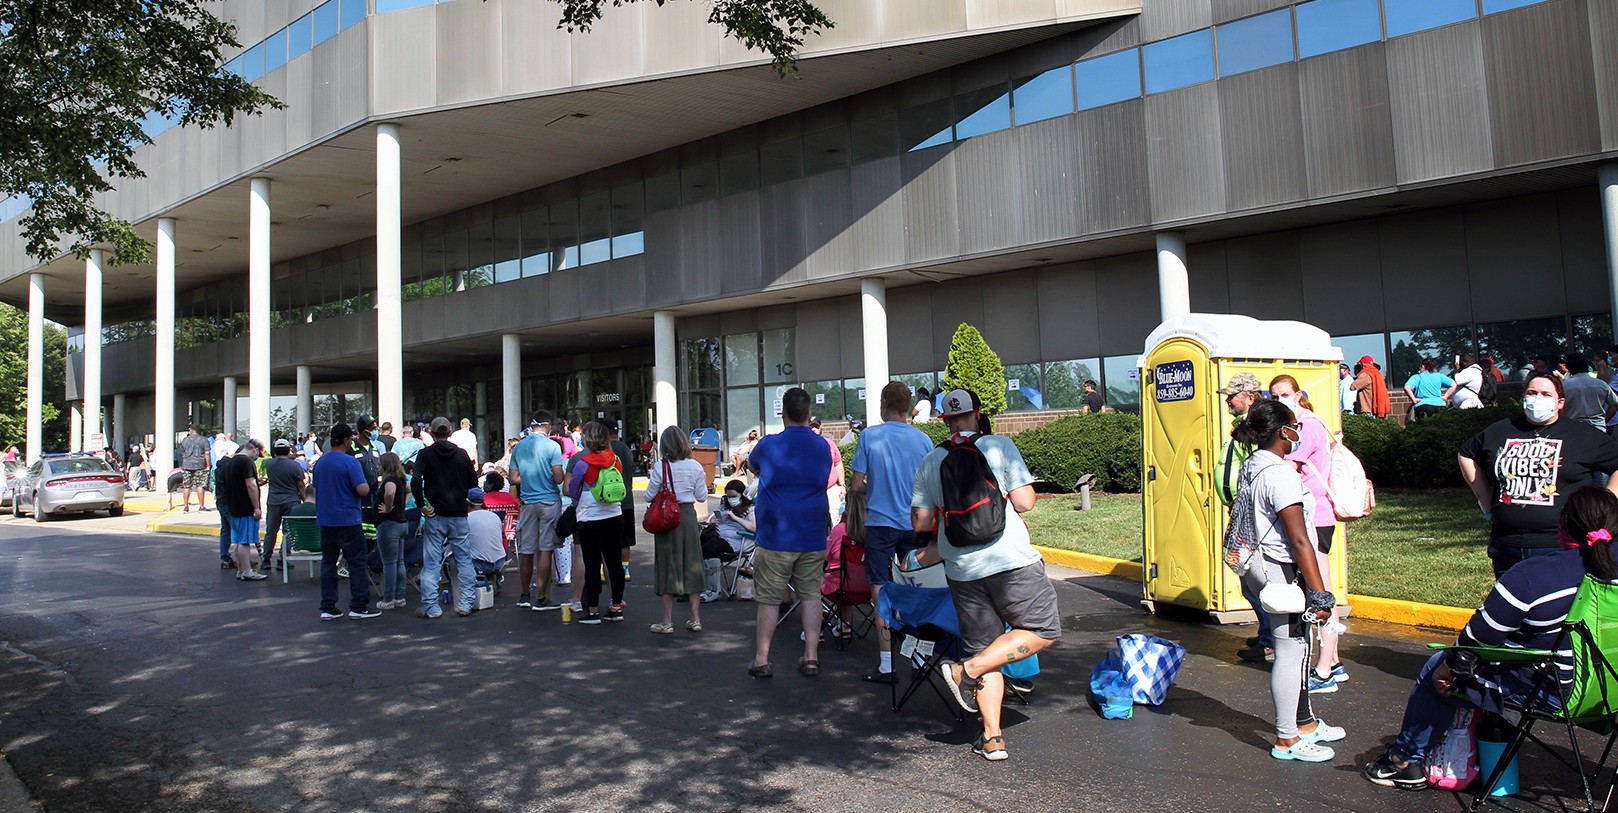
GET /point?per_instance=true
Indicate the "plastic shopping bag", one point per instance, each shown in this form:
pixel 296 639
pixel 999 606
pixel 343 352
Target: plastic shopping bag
pixel 1454 764
pixel 1111 689
pixel 1150 664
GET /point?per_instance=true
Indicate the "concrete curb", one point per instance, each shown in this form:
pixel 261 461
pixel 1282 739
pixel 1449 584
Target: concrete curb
pixel 1390 610
pixel 14 796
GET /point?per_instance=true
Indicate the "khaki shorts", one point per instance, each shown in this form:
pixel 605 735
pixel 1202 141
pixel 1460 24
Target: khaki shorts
pixel 773 570
pixel 536 527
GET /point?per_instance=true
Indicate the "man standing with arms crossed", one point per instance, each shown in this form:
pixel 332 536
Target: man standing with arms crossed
pixel 885 472
pixel 339 488
pixel 536 466
pixel 997 584
pixel 442 477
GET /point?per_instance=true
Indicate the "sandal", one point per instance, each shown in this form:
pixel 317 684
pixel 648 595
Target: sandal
pixel 663 629
pixel 763 670
pixel 808 668
pixel 694 626
pixel 992 749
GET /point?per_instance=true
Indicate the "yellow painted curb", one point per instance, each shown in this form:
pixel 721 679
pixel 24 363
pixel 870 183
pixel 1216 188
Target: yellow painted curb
pixel 1390 610
pixel 158 526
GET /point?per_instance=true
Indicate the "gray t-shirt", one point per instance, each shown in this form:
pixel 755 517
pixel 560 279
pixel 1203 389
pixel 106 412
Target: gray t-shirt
pixel 194 451
pixel 1013 549
pixel 1588 399
pixel 1274 484
pixel 284 475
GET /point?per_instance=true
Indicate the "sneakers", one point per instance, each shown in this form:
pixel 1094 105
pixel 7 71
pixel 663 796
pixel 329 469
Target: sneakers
pixel 992 749
pixel 329 615
pixel 589 618
pixel 1339 673
pixel 525 604
pixel 1324 732
pixel 1303 751
pixel 369 612
pixel 1022 685
pixel 627 577
pixel 1387 773
pixel 662 629
pixel 578 606
pixel 251 576
pixel 1321 685
pixel 964 689
pixel 1256 654
pixel 544 606
pixel 613 616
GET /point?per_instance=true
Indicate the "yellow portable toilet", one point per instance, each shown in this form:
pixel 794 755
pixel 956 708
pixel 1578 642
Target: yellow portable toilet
pixel 1184 425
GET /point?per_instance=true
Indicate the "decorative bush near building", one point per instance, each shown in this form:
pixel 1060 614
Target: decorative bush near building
pixel 1106 445
pixel 975 366
pixel 1422 454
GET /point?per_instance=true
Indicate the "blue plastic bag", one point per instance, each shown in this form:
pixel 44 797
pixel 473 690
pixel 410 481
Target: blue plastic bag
pixel 1149 665
pixel 1111 689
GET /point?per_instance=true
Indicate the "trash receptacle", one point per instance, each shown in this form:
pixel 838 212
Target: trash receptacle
pixel 1184 424
pixel 708 456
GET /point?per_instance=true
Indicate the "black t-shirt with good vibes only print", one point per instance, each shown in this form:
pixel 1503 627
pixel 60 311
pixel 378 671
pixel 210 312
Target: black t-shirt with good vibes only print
pixel 1531 470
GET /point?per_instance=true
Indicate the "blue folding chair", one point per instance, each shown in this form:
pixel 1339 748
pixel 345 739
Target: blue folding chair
pixel 928 615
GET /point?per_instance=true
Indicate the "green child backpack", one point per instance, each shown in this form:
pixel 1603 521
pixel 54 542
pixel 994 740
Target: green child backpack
pixel 609 487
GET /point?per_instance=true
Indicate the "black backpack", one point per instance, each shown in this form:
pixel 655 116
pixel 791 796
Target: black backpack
pixel 974 510
pixel 1489 389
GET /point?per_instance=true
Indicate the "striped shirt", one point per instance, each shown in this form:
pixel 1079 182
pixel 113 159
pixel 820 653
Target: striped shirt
pixel 1528 607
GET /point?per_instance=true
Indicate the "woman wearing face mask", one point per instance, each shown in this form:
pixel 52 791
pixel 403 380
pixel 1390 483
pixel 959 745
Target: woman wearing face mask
pixel 734 516
pixel 1312 458
pixel 1521 470
pixel 678 564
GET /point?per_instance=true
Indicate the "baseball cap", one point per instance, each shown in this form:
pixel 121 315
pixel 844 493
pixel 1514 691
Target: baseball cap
pixel 474 495
pixel 283 443
pixel 1241 382
pixel 438 423
pixel 1367 360
pixel 535 421
pixel 814 420
pixel 959 402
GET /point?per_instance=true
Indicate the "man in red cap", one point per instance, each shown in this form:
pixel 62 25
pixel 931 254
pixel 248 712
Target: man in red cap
pixel 1371 388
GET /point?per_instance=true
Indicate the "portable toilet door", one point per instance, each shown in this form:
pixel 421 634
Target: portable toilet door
pixel 1180 408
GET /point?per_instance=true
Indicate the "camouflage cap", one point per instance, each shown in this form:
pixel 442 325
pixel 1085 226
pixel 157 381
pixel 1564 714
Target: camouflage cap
pixel 1241 382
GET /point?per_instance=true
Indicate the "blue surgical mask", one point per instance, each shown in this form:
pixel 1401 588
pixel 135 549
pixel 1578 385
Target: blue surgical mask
pixel 374 435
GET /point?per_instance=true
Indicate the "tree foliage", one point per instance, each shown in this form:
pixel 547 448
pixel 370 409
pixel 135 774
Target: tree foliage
pixel 14 369
pixel 81 76
pixel 973 365
pixel 776 27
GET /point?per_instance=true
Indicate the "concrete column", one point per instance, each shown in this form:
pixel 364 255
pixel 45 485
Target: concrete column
pixel 75 427
pixel 34 435
pixel 511 383
pixel 306 401
pixel 389 319
pixel 258 310
pixel 117 441
pixel 92 342
pixel 874 320
pixel 163 394
pixel 1607 177
pixel 1173 283
pixel 480 408
pixel 664 394
pixel 227 408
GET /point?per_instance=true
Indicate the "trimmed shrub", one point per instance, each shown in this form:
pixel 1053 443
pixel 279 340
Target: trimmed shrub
pixel 936 430
pixel 975 366
pixel 1106 445
pixel 1373 440
pixel 1426 449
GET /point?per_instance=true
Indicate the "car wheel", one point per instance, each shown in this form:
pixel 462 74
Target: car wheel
pixel 39 516
pixel 115 511
pixel 16 507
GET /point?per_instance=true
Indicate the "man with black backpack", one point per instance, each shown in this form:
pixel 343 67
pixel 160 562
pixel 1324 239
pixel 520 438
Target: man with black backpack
pixel 996 577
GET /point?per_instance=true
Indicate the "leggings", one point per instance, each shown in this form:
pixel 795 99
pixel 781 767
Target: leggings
pixel 601 541
pixel 1289 687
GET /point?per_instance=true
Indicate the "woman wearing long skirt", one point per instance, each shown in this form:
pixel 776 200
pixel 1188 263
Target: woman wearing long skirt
pixel 678 562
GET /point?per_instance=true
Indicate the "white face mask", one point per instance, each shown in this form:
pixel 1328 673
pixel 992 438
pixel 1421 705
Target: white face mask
pixel 1540 409
pixel 1290 400
pixel 733 501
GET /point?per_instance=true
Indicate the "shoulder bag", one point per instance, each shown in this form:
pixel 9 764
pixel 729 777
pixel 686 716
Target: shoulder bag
pixel 663 515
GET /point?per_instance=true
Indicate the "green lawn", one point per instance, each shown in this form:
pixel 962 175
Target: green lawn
pixel 1418 545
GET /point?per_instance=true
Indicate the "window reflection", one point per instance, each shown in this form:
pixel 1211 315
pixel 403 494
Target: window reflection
pixel 1064 381
pixel 1492 6
pixel 298 37
pixel 826 398
pixel 983 111
pixel 385 6
pixel 275 51
pixel 325 21
pixel 353 11
pixel 875 137
pixel 925 125
pixel 1592 334
pixel 1332 25
pixel 1514 344
pixel 1107 79
pixel 1256 42
pixel 1121 381
pixel 1409 16
pixel 1045 96
pixel 253 63
pixel 1406 349
pixel 1180 61
pixel 1024 391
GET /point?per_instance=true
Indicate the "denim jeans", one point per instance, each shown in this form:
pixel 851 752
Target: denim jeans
pixel 1503 557
pixel 441 531
pixel 390 538
pixel 347 541
pixel 224 531
pixel 1428 715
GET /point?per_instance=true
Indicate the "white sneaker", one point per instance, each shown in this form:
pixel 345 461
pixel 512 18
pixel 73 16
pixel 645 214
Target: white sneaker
pixel 578 606
pixel 1303 751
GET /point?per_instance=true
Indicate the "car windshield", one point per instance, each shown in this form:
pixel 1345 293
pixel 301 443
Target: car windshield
pixel 78 465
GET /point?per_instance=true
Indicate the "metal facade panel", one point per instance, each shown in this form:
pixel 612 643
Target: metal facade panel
pixel 782 228
pixel 699 253
pixel 1010 317
pixel 1440 106
pixel 614 51
pixel 1161 19
pixel 989 201
pixel 982 14
pixel 1112 182
pixel 1185 153
pixel 1126 302
pixel 910 350
pixel 1426 253
pixel 326 100
pixel 911 19
pixel 1266 281
pixel 828 210
pixel 851 333
pixel 1209 276
pixel 739 321
pixel 1068 323
pixel 1584 261
pixel 527 68
pixel 1542 101
pixel 469 43
pixel 1507 242
pixel 406 58
pixel 932 222
pixel 1603 33
pixel 956 302
pixel 740 258
pixel 1262 134
pixel 878 229
pixel 300 85
pixel 1342 277
pixel 817 332
pixel 1226 10
pixel 1046 179
pixel 354 55
pixel 1347 121
pixel 664 253
pixel 563 296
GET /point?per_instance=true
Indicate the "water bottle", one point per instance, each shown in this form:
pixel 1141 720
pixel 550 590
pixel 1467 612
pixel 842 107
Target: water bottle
pixel 567 613
pixel 1493 737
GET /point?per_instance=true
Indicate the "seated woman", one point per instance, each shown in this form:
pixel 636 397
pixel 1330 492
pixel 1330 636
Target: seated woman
pixel 735 515
pixel 1526 609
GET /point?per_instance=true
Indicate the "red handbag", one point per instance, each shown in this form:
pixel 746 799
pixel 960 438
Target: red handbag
pixel 663 515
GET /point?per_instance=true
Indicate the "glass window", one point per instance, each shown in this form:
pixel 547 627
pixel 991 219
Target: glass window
pixel 741 359
pixel 1332 25
pixel 234 66
pixel 780 161
pixel 455 257
pixel 1107 79
pixel 480 250
pixel 1409 16
pixel 1045 96
pixel 1180 61
pixel 275 51
pixel 700 364
pixel 628 219
pixel 1514 344
pixel 738 173
pixel 983 111
pixel 298 38
pixel 825 150
pixel 536 258
pixel 780 359
pixel 1121 379
pixel 699 181
pixel 742 415
pixel 1256 42
pixel 662 192
pixel 353 12
pixel 595 229
pixel 1023 389
pixel 924 126
pixel 1408 347
pixel 1064 381
pixel 564 240
pixel 854 397
pixel 507 242
pixel 253 63
pixel 1492 6
pixel 874 138
pixel 1591 334
pixel 826 399
pixel 702 409
pixel 385 6
pixel 325 21
pixel 1366 344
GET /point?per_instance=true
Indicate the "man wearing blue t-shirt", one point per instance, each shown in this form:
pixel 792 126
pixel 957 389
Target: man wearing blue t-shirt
pixel 793 468
pixel 340 487
pixel 536 466
pixel 885 471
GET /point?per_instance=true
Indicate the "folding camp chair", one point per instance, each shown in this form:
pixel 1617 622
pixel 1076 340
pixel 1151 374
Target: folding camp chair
pixel 1591 634
pixel 845 587
pixel 300 541
pixel 926 614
